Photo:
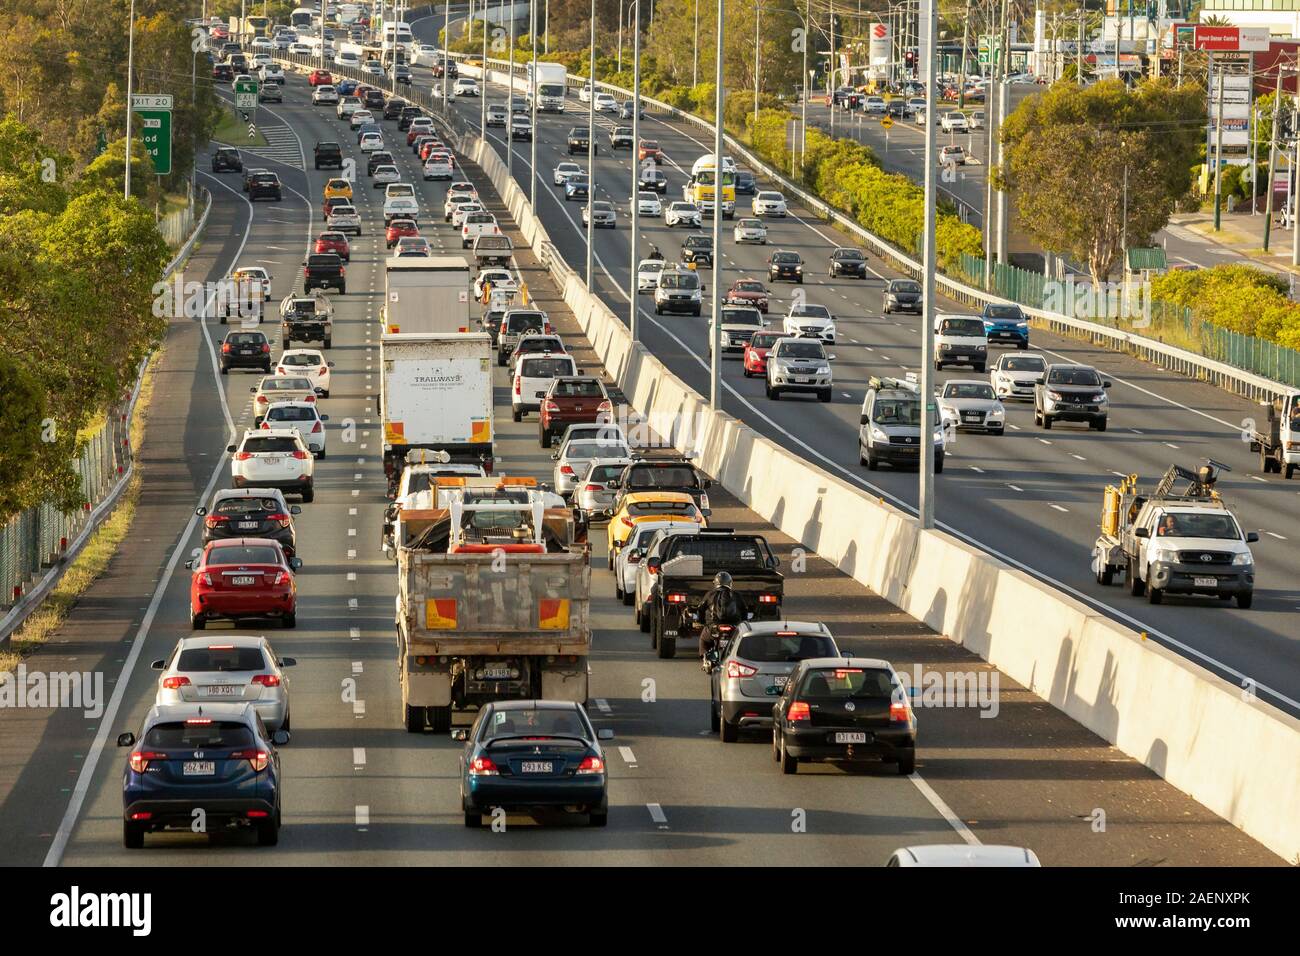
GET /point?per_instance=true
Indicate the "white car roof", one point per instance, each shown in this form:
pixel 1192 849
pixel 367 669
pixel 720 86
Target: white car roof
pixel 234 640
pixel 960 854
pixel 273 432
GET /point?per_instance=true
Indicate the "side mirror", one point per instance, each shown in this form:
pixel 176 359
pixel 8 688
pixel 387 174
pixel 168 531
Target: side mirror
pixel 460 733
pixel 863 419
pixel 555 457
pixel 708 483
pixel 1252 537
pixel 1141 532
pixel 324 418
pixel 158 664
pixel 295 510
pixel 280 738
pixel 200 511
pixel 189 565
pixel 618 543
pixel 654 564
pixel 253 390
pixel 605 733
pixel 773 563
pixel 830 358
pixel 295 563
pixel 1105 384
pixel 1040 381
pixel 288 662
pixel 126 740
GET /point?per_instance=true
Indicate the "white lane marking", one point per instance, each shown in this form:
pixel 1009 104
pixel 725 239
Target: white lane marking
pixel 352 575
pixel 1274 534
pixel 657 813
pixel 363 816
pixel 629 758
pixel 602 705
pixel 1257 478
pixel 358 667
pixel 352 604
pixel 1044 441
pixel 977 468
pixel 1171 445
pixel 352 553
pixel 1059 508
pixel 945 811
pixel 358 708
pixel 1080 457
pixel 1015 487
pixel 354 633
pixel 358 756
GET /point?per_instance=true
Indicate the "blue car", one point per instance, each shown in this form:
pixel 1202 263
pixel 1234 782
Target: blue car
pixel 211 762
pixel 1006 325
pixel 347 87
pixel 575 187
pixel 531 755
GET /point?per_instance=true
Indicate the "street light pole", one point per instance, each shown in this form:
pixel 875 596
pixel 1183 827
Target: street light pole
pixel 1218 152
pixel 695 52
pixel 130 69
pixel 925 493
pixel 757 54
pixel 619 67
pixel 446 42
pixel 1272 160
pixel 715 328
pixel 510 100
pixel 482 93
pixel 532 88
pixel 591 142
pixel 636 165
pixel 805 82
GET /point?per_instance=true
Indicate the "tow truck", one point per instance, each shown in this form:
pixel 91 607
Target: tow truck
pixel 1172 540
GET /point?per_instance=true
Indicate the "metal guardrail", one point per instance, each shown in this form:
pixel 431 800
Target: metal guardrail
pixel 44 539
pixel 1221 374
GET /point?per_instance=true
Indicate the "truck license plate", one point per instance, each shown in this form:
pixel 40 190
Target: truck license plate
pixel 538 766
pixel 496 673
pixel 1205 582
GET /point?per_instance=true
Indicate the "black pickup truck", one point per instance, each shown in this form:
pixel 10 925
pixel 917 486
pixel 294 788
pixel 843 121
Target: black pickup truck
pixel 580 142
pixel 328 155
pixel 663 474
pixel 685 567
pixel 324 270
pixel 307 318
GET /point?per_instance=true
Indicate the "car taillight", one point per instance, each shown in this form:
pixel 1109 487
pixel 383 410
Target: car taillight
pixel 206 579
pixel 899 712
pixel 266 347
pixel 566 470
pixel 267 680
pixel 735 669
pixel 281 517
pixel 591 765
pixel 676 597
pixel 300 455
pixel 767 599
pixel 261 399
pixel 482 767
pixel 279 370
pixel 798 711
pixel 606 406
pixel 213 520
pixel 309 398
pixel 627 521
pixel 550 406
pixel 593 487
pixel 175 683
pixel 257 759
pixel 140 759
pixel 243 455
pixel 518 386
pixel 225 348
pixel 317 428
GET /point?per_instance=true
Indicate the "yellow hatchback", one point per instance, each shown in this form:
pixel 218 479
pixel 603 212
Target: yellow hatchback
pixel 338 188
pixel 649 506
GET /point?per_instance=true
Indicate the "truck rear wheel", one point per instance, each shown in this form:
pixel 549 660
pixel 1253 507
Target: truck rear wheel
pixel 414 719
pixel 1290 471
pixel 665 647
pixel 440 719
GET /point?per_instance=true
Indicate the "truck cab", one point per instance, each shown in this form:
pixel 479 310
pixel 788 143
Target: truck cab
pixel 1278 440
pixel 1191 547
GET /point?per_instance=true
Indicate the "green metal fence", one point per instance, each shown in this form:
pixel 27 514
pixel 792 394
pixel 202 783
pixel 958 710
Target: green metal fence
pixel 1167 322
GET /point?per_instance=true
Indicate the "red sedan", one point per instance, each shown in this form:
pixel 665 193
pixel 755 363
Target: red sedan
pixel 334 242
pixel 239 578
pixel 401 229
pixel 748 292
pixel 413 131
pixel 320 78
pixel 429 148
pixel 756 349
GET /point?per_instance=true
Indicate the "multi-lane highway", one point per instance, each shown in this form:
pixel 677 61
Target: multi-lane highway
pixel 360 790
pixel 1030 496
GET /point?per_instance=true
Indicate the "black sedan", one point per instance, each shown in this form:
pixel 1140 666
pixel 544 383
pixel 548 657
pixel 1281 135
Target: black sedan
pixel 530 755
pixel 250 513
pixel 844 710
pixel 785 265
pixel 847 261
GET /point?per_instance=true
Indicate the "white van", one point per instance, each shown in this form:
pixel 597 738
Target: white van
pixel 533 375
pixel 960 340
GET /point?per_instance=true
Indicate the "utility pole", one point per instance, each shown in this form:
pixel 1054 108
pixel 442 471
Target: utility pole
pixel 830 74
pixel 1218 152
pixel 130 89
pixel 446 42
pixel 757 54
pixel 695 52
pixel 1251 122
pixel 925 492
pixel 1273 161
pixel 965 39
pixel 510 100
pixel 591 143
pixel 1078 72
pixel 547 41
pixel 715 327
pixel 1295 164
pixel 636 166
pixel 619 67
pixel 1004 105
pixel 532 88
pixel 990 146
pixel 805 83
pixel 482 93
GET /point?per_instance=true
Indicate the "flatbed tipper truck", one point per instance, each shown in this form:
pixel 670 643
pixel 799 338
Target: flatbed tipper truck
pixel 493 603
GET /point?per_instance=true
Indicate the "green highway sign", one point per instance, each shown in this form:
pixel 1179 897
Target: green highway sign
pixel 154 112
pixel 246 95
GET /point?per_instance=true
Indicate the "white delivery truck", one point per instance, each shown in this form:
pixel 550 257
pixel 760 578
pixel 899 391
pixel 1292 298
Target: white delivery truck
pixel 548 86
pixel 435 392
pixel 427 294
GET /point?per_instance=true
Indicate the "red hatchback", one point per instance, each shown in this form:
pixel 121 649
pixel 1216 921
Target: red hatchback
pixel 747 292
pixel 332 201
pixel 241 578
pixel 572 401
pixel 756 350
pixel 334 242
pixel 401 229
pixel 320 78
pixel 429 147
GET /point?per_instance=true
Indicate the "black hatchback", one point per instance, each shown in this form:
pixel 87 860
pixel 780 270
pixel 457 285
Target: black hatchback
pixel 407 114
pixel 245 350
pixel 847 261
pixel 264 186
pixel 250 513
pixel 227 160
pixel 394 108
pixel 746 184
pixel 785 265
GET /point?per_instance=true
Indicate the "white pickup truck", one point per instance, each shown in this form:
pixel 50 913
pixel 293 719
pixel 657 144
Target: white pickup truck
pixel 478 224
pixel 400 202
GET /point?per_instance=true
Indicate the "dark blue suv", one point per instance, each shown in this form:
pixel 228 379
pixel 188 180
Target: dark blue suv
pixel 1006 325
pixel 213 763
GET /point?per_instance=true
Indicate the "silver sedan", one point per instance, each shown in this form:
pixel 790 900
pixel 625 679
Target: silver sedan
pixel 573 458
pixel 240 669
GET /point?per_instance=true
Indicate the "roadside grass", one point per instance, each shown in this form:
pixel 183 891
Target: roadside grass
pixel 94 557
pixel 233 131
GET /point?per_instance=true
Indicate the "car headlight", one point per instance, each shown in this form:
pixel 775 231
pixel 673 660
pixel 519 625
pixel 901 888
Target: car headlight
pixel 981 348
pixel 878 434
pixel 1022 325
pixel 798 268
pixel 1243 560
pixel 1165 556
pixel 1054 396
pixel 823 370
pixel 1099 397
pixel 997 413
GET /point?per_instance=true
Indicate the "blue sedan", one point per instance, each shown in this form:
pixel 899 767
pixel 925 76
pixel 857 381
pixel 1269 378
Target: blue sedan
pixel 347 87
pixel 575 187
pixel 531 755
pixel 209 762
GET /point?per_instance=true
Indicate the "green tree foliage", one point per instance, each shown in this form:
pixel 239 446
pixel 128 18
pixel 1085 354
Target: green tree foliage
pixel 21 415
pixel 1237 297
pixel 1066 152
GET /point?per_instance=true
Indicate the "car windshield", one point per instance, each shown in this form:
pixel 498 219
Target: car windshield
pixel 533 723
pixel 733 316
pixel 290 413
pixel 968 390
pixel 1003 312
pixel 245 506
pixel 962 327
pixel 639 508
pixel 662 476
pixel 221 658
pixel 1189 525
pixel 801 350
pixel 750 287
pixel 246 338
pixel 520 321
pixel 1026 364
pixel 897 411
pixel 242 554
pixel 809 310
pixel 651 265
pixel 904 285
pixel 846 683
pixel 763 340
pixel 698 242
pixel 849 254
pixel 546 367
pixel 784 648
pixel 769 197
pixel 604 473
pixel 302 359
pixel 220 734
pixel 279 384
pixel 786 257
pixel 1084 377
pixel 578 179
pixel 577 388
pixel 730 553
pixel 679 280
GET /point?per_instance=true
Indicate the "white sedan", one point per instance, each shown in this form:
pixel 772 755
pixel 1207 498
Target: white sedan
pixel 584 94
pixel 682 214
pixel 371 142
pixel 465 86
pixel 648 204
pixel 769 203
pixel 750 230
pixel 564 171
pixel 324 94
pixel 500 279
pixel 309 363
pixel 386 174
pixel 810 320
pixel 605 103
pixel 647 274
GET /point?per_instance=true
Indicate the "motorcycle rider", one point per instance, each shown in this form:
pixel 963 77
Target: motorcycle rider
pixel 721 606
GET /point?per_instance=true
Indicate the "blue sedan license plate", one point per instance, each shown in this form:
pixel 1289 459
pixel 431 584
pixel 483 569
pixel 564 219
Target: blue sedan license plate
pixel 538 766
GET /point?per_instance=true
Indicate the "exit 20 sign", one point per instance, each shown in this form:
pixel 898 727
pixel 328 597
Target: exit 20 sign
pixel 155 115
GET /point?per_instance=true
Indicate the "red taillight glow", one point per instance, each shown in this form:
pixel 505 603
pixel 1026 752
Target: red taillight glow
pixel 175 683
pixel 225 348
pixel 518 385
pixel 300 455
pixel 213 520
pixel 483 767
pixel 899 712
pixel 736 670
pixel 551 407
pixel 566 470
pixel 798 711
pixel 605 406
pixel 140 759
pixel 198 721
pixel 591 765
pixel 257 759
pixel 593 488
pixel 243 455
pixel 676 597
pixel 767 599
pixel 267 680
pixel 266 348
pixel 309 398
pixel 317 428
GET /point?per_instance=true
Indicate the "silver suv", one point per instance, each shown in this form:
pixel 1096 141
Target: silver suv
pixel 748 674
pixel 798 365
